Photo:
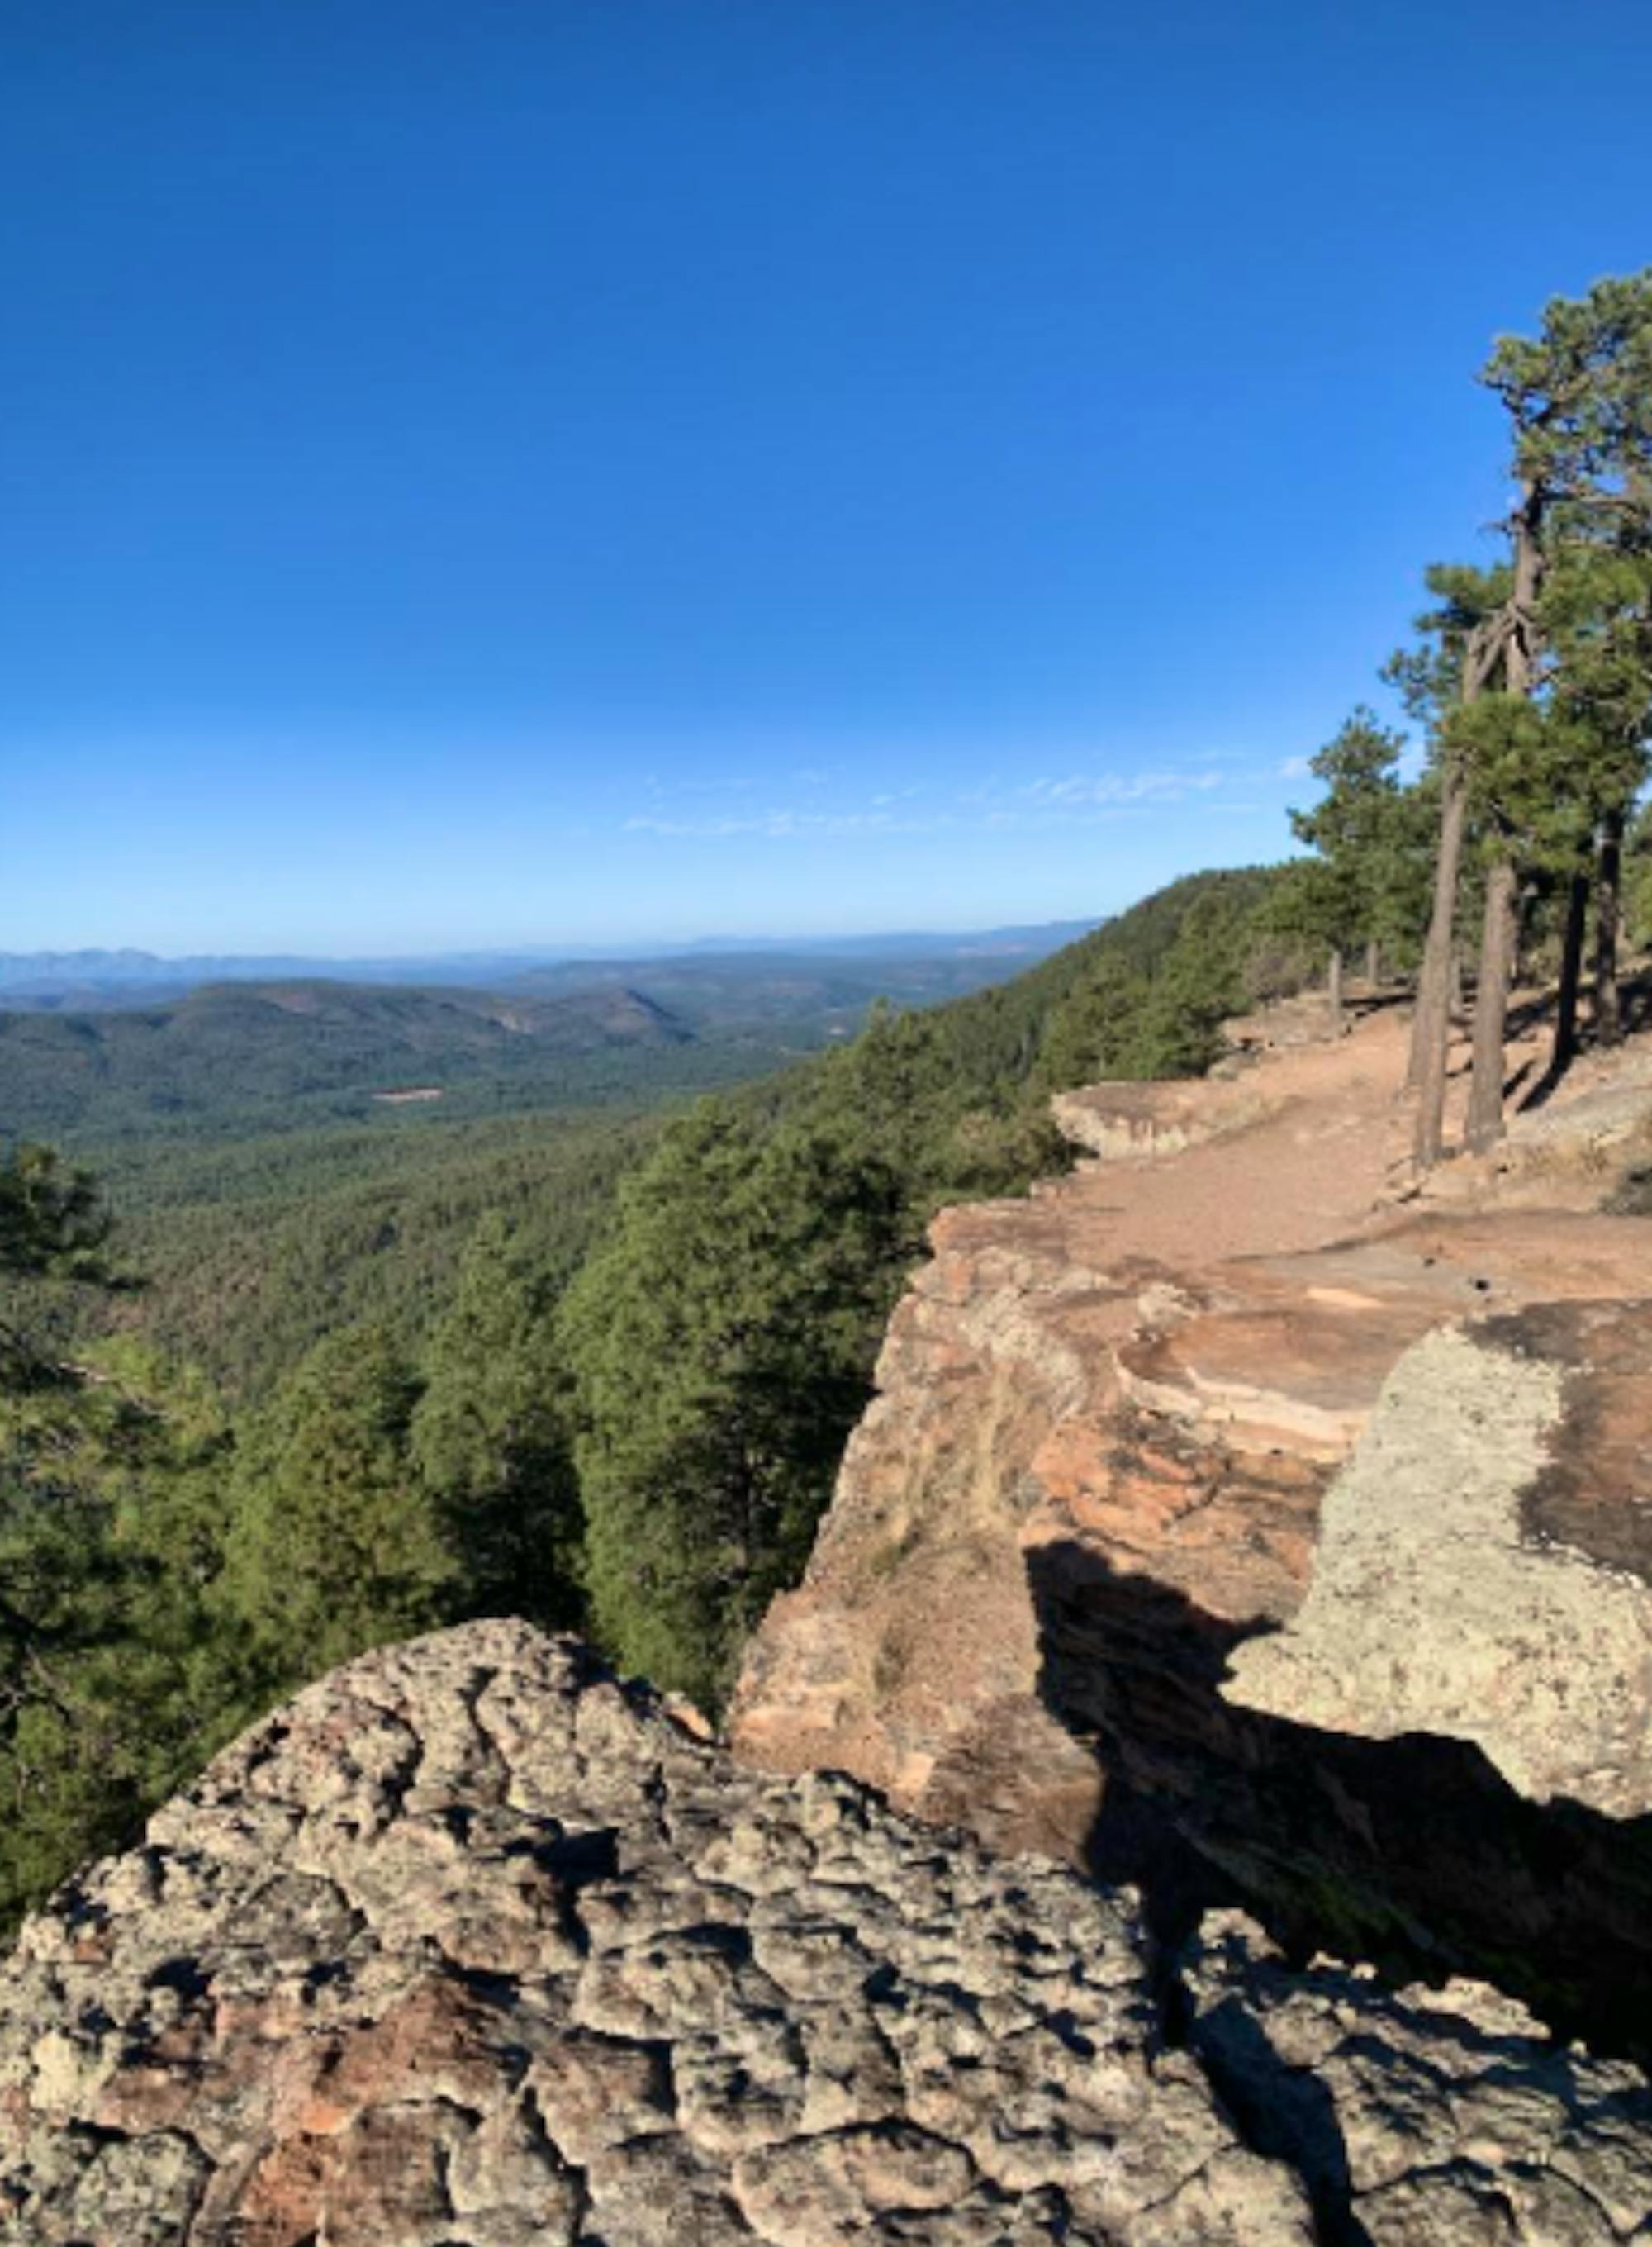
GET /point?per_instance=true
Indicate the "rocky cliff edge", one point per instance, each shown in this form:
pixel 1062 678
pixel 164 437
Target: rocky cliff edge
pixel 1232 1516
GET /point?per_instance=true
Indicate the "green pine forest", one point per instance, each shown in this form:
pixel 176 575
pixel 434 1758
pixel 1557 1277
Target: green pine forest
pixel 587 1349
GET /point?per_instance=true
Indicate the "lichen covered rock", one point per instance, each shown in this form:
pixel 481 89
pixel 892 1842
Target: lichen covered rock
pixel 472 1947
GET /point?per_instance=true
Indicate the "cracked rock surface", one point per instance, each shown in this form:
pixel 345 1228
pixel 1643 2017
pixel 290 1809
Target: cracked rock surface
pixel 1419 2117
pixel 470 1946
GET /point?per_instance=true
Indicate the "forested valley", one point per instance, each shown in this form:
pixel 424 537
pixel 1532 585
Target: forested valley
pixel 335 1382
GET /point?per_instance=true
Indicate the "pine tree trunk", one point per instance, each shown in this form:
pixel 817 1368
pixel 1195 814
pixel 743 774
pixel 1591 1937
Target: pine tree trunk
pixel 1499 931
pixel 1438 991
pixel 1607 995
pixel 1334 993
pixel 1373 963
pixel 1565 1005
pixel 1485 1126
pixel 1431 1031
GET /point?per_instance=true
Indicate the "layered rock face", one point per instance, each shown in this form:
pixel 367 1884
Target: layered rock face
pixel 469 1946
pixel 1196 1491
pixel 1431 1750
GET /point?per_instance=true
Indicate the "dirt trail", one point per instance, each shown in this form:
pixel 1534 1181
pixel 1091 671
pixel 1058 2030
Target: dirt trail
pixel 1323 1155
pixel 1310 1169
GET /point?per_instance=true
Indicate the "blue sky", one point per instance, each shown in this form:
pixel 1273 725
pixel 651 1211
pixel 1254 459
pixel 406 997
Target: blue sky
pixel 508 471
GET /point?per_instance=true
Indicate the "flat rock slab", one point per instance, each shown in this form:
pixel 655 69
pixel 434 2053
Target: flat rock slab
pixel 1047 1407
pixel 1480 1572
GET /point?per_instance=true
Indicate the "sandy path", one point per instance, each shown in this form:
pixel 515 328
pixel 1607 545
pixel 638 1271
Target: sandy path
pixel 1326 1158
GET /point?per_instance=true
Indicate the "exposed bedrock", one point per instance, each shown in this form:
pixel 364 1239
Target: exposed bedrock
pixel 471 1947
pixel 1333 1563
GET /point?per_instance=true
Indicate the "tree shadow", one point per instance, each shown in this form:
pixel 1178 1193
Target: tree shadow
pixel 1543 1090
pixel 1413 1854
pixel 1636 995
pixel 1284 2113
pixel 1535 1097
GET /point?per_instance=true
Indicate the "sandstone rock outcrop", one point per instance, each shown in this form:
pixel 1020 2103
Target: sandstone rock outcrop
pixel 1120 1529
pixel 471 1947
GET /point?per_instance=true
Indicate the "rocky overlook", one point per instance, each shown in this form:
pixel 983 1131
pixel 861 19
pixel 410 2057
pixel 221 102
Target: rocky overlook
pixel 1233 1518
pixel 470 1946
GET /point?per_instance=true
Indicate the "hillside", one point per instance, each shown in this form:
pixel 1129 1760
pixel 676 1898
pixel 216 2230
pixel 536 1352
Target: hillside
pixel 812 995
pixel 239 1055
pixel 260 1219
pixel 244 1057
pixel 252 1249
pixel 431 1325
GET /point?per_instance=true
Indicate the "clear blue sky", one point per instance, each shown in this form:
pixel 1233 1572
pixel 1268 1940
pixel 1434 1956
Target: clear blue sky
pixel 495 472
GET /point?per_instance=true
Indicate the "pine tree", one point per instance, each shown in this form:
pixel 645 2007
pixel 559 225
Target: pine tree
pixel 1597 618
pixel 336 1544
pixel 490 1436
pixel 1092 1036
pixel 1363 885
pixel 1444 671
pixel 722 1346
pixel 1637 878
pixel 109 1693
pixel 1579 397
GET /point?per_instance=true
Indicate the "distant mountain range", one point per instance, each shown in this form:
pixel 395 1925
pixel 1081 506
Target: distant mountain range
pixel 122 1045
pixel 231 1053
pixel 128 977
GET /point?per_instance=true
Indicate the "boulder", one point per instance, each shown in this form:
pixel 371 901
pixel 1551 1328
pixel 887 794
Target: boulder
pixel 471 1946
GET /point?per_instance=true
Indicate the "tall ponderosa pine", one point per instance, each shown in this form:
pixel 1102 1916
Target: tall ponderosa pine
pixel 1516 734
pixel 1518 747
pixel 1598 626
pixel 1579 397
pixel 1601 624
pixel 1637 878
pixel 1444 673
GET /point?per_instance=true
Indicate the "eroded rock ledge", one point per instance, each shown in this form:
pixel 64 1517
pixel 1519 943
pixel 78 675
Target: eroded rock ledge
pixel 1314 1575
pixel 471 1947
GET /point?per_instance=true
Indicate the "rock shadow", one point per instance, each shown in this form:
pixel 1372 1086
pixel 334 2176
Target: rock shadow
pixel 1413 1854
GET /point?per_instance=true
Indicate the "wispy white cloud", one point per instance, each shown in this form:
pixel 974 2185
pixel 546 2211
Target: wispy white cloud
pixel 786 820
pixel 1165 787
pixel 1074 799
pixel 1293 769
